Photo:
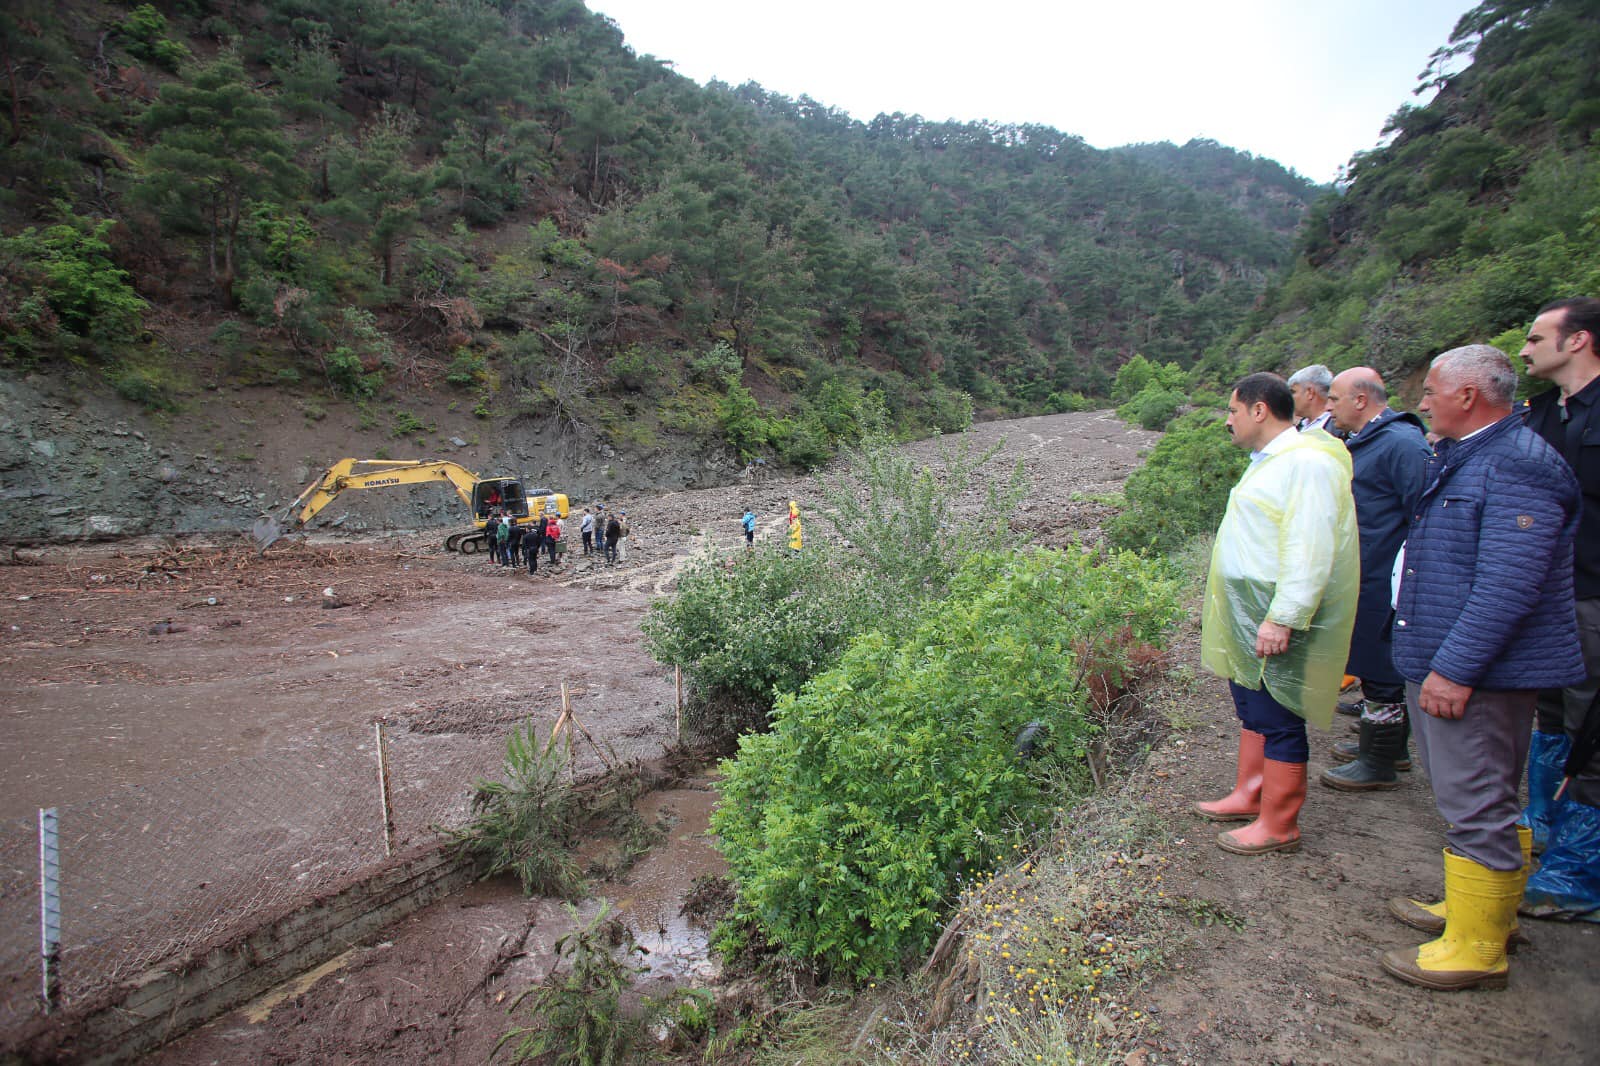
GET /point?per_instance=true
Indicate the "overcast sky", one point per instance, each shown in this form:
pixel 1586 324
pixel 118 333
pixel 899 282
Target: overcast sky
pixel 1304 82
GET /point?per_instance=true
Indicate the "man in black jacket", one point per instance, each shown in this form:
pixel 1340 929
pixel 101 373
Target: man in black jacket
pixel 1564 348
pixel 1389 454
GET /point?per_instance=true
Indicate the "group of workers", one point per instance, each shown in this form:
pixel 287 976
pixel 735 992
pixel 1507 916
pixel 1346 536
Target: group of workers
pixel 514 543
pixel 1475 622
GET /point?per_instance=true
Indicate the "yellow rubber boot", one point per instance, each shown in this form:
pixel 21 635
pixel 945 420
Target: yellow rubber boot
pixel 1429 917
pixel 1481 905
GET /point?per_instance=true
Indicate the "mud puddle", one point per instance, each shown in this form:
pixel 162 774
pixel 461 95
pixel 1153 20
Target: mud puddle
pixel 440 984
pixel 650 900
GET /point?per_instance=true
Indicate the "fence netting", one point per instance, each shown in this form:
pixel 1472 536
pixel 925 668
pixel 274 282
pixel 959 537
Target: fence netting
pixel 154 873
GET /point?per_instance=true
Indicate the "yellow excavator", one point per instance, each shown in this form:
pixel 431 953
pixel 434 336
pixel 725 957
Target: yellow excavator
pixel 485 496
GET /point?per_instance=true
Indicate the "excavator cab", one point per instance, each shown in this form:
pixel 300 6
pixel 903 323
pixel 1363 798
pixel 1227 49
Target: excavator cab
pixel 503 494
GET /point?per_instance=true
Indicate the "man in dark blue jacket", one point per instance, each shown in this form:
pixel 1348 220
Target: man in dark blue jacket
pixel 1484 621
pixel 1564 348
pixel 1389 453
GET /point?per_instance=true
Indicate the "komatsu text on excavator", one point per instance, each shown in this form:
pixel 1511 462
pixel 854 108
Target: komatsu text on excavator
pixel 483 495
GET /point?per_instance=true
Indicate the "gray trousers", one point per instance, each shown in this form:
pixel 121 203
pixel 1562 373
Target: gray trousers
pixel 1561 710
pixel 1475 763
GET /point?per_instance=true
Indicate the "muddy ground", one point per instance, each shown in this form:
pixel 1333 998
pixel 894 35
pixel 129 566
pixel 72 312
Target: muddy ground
pixel 92 689
pixel 1291 974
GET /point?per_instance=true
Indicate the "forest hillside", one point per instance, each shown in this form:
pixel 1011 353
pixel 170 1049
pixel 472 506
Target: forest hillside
pixel 492 222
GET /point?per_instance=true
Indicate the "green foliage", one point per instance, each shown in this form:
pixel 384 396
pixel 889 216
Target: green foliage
pixel 889 778
pixel 898 518
pixel 218 152
pixel 718 366
pixel 526 823
pixel 144 34
pixel 747 627
pixel 1182 489
pixel 576 1017
pixel 637 368
pixel 151 385
pixel 355 367
pixel 1139 374
pixel 1152 406
pixel 466 369
pixel 65 277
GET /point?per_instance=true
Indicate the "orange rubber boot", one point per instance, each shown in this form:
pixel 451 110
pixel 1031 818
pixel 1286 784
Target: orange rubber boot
pixel 1244 802
pixel 1277 828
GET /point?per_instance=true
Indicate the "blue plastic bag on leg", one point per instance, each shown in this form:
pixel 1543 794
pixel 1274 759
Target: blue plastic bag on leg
pixel 1546 757
pixel 1567 883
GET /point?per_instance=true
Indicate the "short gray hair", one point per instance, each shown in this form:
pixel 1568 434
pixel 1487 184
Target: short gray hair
pixel 1372 389
pixel 1483 366
pixel 1316 375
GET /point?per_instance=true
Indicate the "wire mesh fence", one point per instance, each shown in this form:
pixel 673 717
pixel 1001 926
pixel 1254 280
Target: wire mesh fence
pixel 154 873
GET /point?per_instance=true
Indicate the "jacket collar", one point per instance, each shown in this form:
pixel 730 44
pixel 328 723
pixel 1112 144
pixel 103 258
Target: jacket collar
pixel 1454 452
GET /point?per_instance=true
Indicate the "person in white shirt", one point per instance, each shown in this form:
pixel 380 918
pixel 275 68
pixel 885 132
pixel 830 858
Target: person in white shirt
pixel 1312 407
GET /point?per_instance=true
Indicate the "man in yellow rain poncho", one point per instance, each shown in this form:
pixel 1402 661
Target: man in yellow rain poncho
pixel 797 533
pixel 1280 604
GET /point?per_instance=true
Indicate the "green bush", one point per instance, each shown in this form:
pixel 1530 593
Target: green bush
pixel 1139 373
pixel 1153 406
pixel 718 366
pixel 636 368
pixel 150 386
pixel 144 33
pixel 892 776
pixel 69 267
pixel 1182 488
pixel 744 628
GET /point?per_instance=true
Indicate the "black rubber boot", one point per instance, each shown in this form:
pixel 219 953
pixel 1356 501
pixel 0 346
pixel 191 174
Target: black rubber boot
pixel 1348 750
pixel 1373 769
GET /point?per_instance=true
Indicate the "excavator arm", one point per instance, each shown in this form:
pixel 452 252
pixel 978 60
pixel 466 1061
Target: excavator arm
pixel 481 495
pixel 379 473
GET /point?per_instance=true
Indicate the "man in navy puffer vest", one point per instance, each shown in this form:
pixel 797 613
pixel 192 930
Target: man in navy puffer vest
pixel 1485 620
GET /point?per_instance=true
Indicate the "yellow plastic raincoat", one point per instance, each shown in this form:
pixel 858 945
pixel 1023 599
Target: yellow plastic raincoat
pixel 797 534
pixel 1287 550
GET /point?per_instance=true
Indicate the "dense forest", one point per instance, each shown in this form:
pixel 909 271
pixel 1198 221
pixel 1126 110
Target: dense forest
pixel 502 200
pixel 1476 208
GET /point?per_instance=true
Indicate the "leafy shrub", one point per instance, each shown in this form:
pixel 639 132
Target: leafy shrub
pixel 893 775
pixel 1182 488
pixel 69 267
pixel 466 369
pixel 719 366
pixel 897 516
pixel 636 368
pixel 744 628
pixel 526 823
pixel 144 33
pixel 1068 401
pixel 149 386
pixel 1139 373
pixel 1152 406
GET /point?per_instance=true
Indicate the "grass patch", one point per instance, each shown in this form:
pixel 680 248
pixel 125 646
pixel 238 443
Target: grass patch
pixel 1043 961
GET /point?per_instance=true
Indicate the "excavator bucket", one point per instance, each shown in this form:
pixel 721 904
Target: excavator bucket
pixel 266 531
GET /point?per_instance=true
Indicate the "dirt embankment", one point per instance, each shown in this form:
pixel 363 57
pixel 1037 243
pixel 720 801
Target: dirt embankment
pixel 80 463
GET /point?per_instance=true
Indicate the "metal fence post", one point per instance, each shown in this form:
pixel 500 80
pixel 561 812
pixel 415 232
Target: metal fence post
pixel 49 909
pixel 383 794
